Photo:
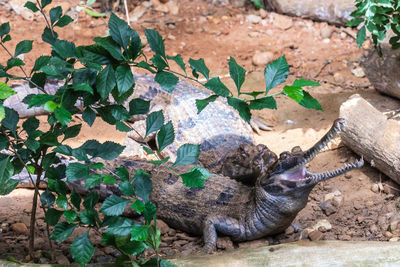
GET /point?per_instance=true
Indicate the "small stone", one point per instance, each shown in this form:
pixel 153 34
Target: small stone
pixel 289 230
pixel 171 37
pixel 180 243
pixel 388 234
pixel 253 34
pixel 225 243
pixel 373 228
pixel 163 227
pixel 61 259
pixel 338 78
pixel 282 22
pixel 171 26
pixel 345 237
pixel 253 19
pixel 305 233
pixel 358 72
pixel 369 203
pixel 262 58
pixel 394 221
pixel 173 8
pixel 347 176
pixel 20 228
pixel 394 239
pixel 375 188
pixel 263 13
pixel 360 219
pixel 315 235
pixel 326 32
pixel 328 207
pixel 323 224
pixel 254 243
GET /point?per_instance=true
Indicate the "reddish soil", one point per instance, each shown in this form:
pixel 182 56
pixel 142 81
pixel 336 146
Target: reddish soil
pixel 214 33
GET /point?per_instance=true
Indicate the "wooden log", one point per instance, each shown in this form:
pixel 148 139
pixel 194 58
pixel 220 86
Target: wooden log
pixel 369 133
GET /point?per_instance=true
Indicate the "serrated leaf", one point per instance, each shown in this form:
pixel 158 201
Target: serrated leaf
pixel 10 120
pixel 294 92
pixel 155 41
pixel 6 171
pixel 178 59
pixel 237 73
pixel 217 87
pixel 276 73
pixel 132 248
pixel 361 36
pixel 159 62
pixel 70 216
pixel 62 202
pixel 114 205
pixel 109 179
pixel 63 21
pixel 122 227
pixel 138 106
pixel 89 116
pixel 89 217
pixel 105 81
pixel 76 199
pixel 149 211
pixel 354 22
pixel 195 177
pixel 124 79
pixel 47 198
pixel 5 91
pixel 32 6
pixel 303 82
pixel 53 216
pixel 55 14
pixel 82 250
pixel 40 62
pixel 139 232
pixel 62 231
pixel 159 162
pixel 119 30
pixel 122 173
pixel 48 37
pixel 14 62
pixel 83 87
pixel 263 102
pixel 241 106
pixel 23 47
pixel 64 48
pixel 147 150
pixel 4 29
pixel 165 136
pixel 187 154
pixel 166 80
pixel 62 115
pixel 122 127
pixel 309 102
pixel 143 184
pixel 154 122
pixel 138 206
pixel 126 188
pixel 202 103
pixel 72 131
pixel 93 180
pixel 199 66
pixel 111 46
pixel 76 171
pixel 91 200
pixel 50 106
pixel 44 3
pixel 109 150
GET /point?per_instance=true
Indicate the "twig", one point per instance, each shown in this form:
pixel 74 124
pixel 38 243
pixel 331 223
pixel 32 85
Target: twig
pixel 327 62
pixel 126 12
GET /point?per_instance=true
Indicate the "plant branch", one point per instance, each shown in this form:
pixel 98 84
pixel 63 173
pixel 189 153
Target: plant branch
pixel 45 18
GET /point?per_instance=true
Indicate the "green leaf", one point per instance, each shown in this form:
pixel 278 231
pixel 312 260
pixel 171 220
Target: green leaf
pixel 32 6
pixel 70 216
pixel 111 46
pixel 143 184
pixel 83 87
pixel 76 199
pixel 126 188
pixel 202 103
pixel 122 127
pixel 309 102
pixel 2 116
pixel 178 59
pixel 94 14
pixel 159 162
pixel 199 66
pixel 361 36
pixel 303 82
pixel 146 66
pixel 62 115
pixel 40 62
pixel 48 37
pixel 76 171
pixel 32 144
pixel 72 131
pixel 62 202
pixel 122 173
pixel 124 79
pixel 63 21
pixel 6 171
pixel 354 22
pixel 109 150
pixel 30 169
pixel 50 106
pixel 62 231
pixel 241 106
pixel 154 122
pixel 165 136
pixel 237 73
pixel 47 198
pixel 121 228
pixel 138 106
pixel 89 116
pixel 263 102
pixel 23 47
pixel 276 73
pixel 155 41
pixel 53 216
pixel 93 180
pixel 49 139
pixel 5 91
pixel 114 205
pixel 195 177
pixel 159 62
pixel 4 29
pixel 10 120
pixel 139 232
pixel 187 154
pixel 89 217
pixel 149 211
pixel 64 48
pixel 44 3
pixel 294 92
pixel 166 80
pixel 91 200
pixel 55 14
pixel 105 81
pixel 14 62
pixel 109 179
pixel 119 31
pixel 217 87
pixel 38 100
pixel 132 248
pixel 138 206
pixel 82 250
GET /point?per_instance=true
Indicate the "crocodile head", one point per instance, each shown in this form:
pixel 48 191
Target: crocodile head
pixel 290 175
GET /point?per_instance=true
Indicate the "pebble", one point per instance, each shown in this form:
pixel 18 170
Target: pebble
pixel 262 58
pixel 394 222
pixel 358 72
pixel 338 78
pixel 289 230
pixel 315 235
pixel 373 228
pixel 345 237
pixel 61 259
pixel 326 32
pixel 375 188
pixel 328 207
pixel 225 243
pixel 253 34
pixel 20 228
pixel 305 233
pixel 282 22
pixel 323 224
pixel 388 234
pixel 163 227
pixel 255 19
pixel 263 13
pixel 347 176
pixel 394 239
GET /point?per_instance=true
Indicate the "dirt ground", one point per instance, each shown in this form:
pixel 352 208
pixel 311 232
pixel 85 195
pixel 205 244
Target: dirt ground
pixel 362 205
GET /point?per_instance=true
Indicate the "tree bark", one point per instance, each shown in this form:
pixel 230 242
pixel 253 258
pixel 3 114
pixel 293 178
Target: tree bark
pixel 369 133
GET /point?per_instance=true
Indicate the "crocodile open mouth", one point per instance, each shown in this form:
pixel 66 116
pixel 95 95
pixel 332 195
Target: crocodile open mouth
pixel 295 170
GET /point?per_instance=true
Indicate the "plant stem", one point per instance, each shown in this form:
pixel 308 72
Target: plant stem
pixel 45 18
pixel 33 218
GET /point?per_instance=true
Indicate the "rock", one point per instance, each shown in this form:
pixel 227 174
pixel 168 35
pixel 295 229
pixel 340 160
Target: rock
pixel 388 234
pixel 20 228
pixel 253 19
pixel 373 228
pixel 390 187
pixel 179 243
pixel 254 34
pixel 289 230
pixel 262 58
pixel 254 243
pixel 315 235
pixel 138 12
pixel 328 207
pixel 282 22
pixel 326 31
pixel 263 13
pixel 345 237
pixel 225 243
pixel 305 233
pixel 323 223
pixel 375 188
pixel 172 7
pixel 347 176
pixel 238 3
pixel 394 222
pixel 358 72
pixel 332 11
pixel 159 6
pixel 163 227
pixel 40 242
pixel 61 259
pixel 394 239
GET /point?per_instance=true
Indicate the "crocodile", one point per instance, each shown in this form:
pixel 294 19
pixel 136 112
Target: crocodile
pixel 267 205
